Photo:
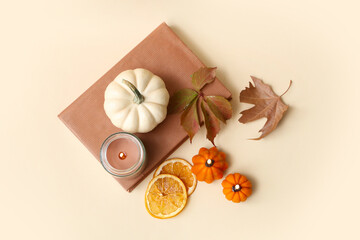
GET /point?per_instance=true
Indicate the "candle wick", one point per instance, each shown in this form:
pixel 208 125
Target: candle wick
pixel 122 155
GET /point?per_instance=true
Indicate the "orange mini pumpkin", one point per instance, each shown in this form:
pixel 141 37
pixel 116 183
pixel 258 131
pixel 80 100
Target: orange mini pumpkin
pixel 237 187
pixel 209 164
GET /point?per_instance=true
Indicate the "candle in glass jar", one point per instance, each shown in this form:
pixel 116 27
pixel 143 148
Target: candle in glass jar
pixel 123 153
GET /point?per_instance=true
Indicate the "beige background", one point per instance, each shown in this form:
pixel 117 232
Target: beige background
pixel 306 173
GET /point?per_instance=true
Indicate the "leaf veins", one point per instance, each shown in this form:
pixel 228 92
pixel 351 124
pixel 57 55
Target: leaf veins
pixel 267 104
pixel 189 101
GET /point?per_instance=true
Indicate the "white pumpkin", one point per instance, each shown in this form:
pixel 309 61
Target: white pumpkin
pixel 136 101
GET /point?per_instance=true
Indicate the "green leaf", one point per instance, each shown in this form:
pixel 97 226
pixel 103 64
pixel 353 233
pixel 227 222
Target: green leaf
pixel 203 76
pixel 220 106
pixel 211 122
pixel 190 119
pixel 181 100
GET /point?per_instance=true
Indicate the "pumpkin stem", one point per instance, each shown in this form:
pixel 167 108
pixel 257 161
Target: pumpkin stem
pixel 138 98
pixel 209 163
pixel 236 188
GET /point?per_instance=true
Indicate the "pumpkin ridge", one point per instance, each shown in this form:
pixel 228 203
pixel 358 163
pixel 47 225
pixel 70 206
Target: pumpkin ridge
pixel 155 83
pixel 213 152
pixel 230 195
pixel 237 177
pixel 218 173
pixel 154 103
pixel 112 106
pixel 209 177
pixel 144 76
pixel 230 178
pixel 246 184
pixel 126 119
pixel 226 184
pixel 198 159
pixel 127 109
pixel 226 190
pixel 223 165
pixel 220 164
pixel 135 78
pixel 242 179
pixel 147 109
pixel 196 169
pixel 243 197
pixel 154 79
pixel 220 156
pixel 236 197
pixel 117 99
pixel 246 191
pixel 116 86
pixel 147 84
pixel 138 118
pixel 156 111
pixel 201 174
pixel 204 152
pixel 127 74
pixel 153 90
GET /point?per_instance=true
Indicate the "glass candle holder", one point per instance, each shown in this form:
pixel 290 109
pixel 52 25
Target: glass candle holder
pixel 123 155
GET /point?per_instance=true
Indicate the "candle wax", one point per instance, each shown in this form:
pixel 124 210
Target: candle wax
pixel 126 146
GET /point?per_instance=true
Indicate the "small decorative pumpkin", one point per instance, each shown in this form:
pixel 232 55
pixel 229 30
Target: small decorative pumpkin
pixel 136 101
pixel 209 164
pixel 237 187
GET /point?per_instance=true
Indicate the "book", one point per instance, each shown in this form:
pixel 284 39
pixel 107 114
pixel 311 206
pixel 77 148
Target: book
pixel 163 53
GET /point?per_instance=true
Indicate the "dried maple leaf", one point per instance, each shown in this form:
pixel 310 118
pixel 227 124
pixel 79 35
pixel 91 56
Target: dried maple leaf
pixel 267 104
pixel 213 108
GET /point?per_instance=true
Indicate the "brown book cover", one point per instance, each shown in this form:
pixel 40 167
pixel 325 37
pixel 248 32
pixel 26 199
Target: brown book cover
pixel 164 54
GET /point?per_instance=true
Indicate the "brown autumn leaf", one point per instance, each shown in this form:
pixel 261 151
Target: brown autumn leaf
pixel 267 104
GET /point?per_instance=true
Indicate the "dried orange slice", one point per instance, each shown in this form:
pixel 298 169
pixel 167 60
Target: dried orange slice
pixel 165 196
pixel 180 168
